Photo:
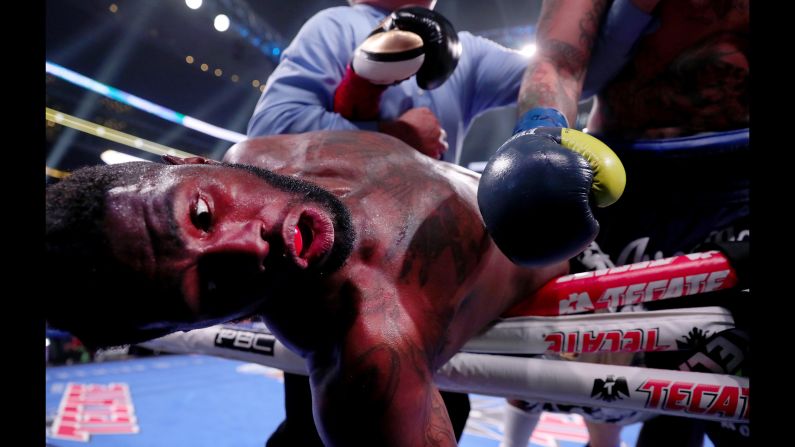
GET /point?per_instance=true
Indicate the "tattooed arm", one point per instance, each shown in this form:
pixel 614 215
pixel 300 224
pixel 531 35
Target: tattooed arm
pixel 376 388
pixel 566 33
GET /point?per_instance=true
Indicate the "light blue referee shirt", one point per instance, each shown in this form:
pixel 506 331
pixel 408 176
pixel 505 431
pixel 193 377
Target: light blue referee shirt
pixel 299 93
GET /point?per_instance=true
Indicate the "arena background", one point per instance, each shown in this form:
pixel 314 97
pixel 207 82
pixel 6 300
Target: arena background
pixel 101 52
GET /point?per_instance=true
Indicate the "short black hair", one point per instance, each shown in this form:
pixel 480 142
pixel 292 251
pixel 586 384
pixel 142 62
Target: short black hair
pixel 83 277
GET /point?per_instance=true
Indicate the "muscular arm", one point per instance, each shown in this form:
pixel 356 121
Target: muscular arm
pixel 566 33
pixel 377 388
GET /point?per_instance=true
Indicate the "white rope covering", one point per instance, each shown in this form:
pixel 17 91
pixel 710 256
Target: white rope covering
pixel 689 394
pixel 605 332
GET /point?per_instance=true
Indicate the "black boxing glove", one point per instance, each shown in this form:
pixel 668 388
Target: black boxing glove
pixel 439 39
pixel 409 41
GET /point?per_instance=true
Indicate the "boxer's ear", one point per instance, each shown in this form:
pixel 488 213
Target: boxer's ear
pixel 174 160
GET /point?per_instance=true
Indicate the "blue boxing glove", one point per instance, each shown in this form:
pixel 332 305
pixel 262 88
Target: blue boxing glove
pixel 537 191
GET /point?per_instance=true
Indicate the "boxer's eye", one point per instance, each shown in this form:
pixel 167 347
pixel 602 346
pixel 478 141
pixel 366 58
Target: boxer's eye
pixel 200 215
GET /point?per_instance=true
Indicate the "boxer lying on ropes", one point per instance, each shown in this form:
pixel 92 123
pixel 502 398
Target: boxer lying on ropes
pixel 364 256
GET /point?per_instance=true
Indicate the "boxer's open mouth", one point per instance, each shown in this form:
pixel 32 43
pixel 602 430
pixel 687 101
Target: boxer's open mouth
pixel 311 237
pixel 303 238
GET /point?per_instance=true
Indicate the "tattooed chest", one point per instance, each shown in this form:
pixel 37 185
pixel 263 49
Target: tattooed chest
pixel 426 231
pixel 705 88
pixel 444 251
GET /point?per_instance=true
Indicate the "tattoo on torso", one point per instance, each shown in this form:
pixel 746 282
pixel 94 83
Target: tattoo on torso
pixel 692 75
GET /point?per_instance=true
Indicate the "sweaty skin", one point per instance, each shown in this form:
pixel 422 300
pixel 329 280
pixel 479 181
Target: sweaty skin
pixel 423 278
pixel 689 76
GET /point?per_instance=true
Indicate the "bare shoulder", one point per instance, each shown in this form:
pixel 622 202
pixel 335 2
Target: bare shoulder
pixel 343 161
pixel 308 149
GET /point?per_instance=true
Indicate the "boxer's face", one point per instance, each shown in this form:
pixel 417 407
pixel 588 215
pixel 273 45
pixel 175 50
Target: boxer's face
pixel 220 240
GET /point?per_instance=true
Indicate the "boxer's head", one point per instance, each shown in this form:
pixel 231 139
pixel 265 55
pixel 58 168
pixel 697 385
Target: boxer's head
pixel 392 5
pixel 138 250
